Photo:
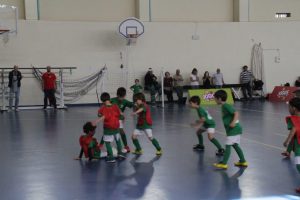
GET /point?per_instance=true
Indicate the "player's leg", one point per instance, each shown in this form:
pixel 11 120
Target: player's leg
pixel 123 136
pixel 288 151
pixel 229 142
pixel 136 143
pixel 242 162
pixel 108 139
pixel 200 145
pixel 154 141
pixel 119 145
pixel 212 139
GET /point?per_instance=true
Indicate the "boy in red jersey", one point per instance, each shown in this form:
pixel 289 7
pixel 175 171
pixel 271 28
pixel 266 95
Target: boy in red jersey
pixel 89 145
pixel 294 136
pixel 144 125
pixel 110 115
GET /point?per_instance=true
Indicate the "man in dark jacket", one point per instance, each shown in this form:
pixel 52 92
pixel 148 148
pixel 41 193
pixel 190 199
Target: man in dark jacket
pixel 152 85
pixel 14 84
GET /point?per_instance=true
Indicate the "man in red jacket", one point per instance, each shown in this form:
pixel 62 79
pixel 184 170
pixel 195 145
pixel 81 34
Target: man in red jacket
pixel 49 87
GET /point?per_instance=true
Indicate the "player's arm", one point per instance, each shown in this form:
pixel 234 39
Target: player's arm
pixel 290 136
pixel 198 123
pixel 96 121
pixel 138 111
pixel 90 155
pixel 235 119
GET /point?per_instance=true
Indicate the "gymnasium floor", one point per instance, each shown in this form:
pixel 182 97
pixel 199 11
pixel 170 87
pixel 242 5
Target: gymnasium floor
pixel 37 149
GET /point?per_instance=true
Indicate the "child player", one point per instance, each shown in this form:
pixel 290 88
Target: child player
pixel 144 124
pixel 287 152
pixel 89 145
pixel 205 124
pixel 294 136
pixel 110 115
pixel 136 88
pixel 233 131
pixel 122 103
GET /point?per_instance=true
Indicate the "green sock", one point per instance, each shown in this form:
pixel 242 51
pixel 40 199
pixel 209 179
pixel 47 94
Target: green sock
pixel 240 153
pixel 119 146
pixel 137 144
pixel 156 144
pixel 200 138
pixel 290 147
pixel 123 136
pixel 109 149
pixel 226 154
pixel 298 168
pixel 216 143
pixel 102 141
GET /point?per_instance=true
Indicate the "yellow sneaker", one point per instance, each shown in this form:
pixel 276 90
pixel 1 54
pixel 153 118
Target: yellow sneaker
pixel 159 152
pixel 221 166
pixel 138 152
pixel 241 164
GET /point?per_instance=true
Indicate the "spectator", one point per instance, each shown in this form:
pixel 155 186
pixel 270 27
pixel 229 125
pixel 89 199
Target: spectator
pixel 297 82
pixel 218 79
pixel 246 80
pixel 194 78
pixel 206 80
pixel 14 84
pixel 178 85
pixel 168 86
pixel 152 85
pixel 49 87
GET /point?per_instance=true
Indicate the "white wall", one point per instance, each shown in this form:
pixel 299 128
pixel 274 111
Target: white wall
pixel 265 10
pixel 83 10
pixel 89 46
pixel 18 3
pixel 192 10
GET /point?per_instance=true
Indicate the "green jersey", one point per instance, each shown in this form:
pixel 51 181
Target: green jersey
pixel 289 124
pixel 209 121
pixel 122 104
pixel 228 114
pixel 136 88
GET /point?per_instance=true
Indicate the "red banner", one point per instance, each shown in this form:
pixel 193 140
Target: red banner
pixel 281 93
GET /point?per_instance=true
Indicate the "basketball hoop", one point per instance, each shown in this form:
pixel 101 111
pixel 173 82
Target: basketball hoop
pixel 132 39
pixel 5 35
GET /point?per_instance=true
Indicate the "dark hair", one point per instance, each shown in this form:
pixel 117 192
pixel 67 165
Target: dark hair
pixel 297 93
pixel 287 84
pixel 195 99
pixel 121 92
pixel 295 102
pixel 194 70
pixel 137 80
pixel 205 73
pixel 88 127
pixel 221 94
pixel 139 96
pixel 105 97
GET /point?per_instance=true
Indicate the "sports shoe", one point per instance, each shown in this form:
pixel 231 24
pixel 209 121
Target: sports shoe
pixel 127 149
pixel 286 154
pixel 297 190
pixel 110 160
pixel 121 156
pixel 220 152
pixel 138 152
pixel 159 152
pixel 241 164
pixel 221 165
pixel 17 110
pixel 199 147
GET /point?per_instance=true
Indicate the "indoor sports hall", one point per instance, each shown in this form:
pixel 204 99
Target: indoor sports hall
pixel 149 99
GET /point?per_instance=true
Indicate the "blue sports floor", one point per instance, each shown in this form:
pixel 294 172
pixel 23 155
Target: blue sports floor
pixel 37 149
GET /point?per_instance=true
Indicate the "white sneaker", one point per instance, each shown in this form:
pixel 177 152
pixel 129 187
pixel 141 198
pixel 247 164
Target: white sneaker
pixel 17 110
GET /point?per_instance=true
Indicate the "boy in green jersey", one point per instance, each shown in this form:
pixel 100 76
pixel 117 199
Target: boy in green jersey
pixel 136 88
pixel 122 103
pixel 144 125
pixel 205 124
pixel 233 131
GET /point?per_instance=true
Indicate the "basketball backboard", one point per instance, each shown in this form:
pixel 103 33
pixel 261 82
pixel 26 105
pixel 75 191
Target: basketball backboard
pixel 131 28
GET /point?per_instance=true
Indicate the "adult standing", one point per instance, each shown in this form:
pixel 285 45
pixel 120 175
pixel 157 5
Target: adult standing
pixel 206 80
pixel 297 82
pixel 14 84
pixel 168 86
pixel 151 84
pixel 49 87
pixel 218 79
pixel 178 85
pixel 194 78
pixel 246 79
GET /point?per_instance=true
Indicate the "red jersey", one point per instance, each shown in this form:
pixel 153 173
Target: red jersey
pixel 111 116
pixel 296 123
pixel 86 142
pixel 49 79
pixel 144 118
